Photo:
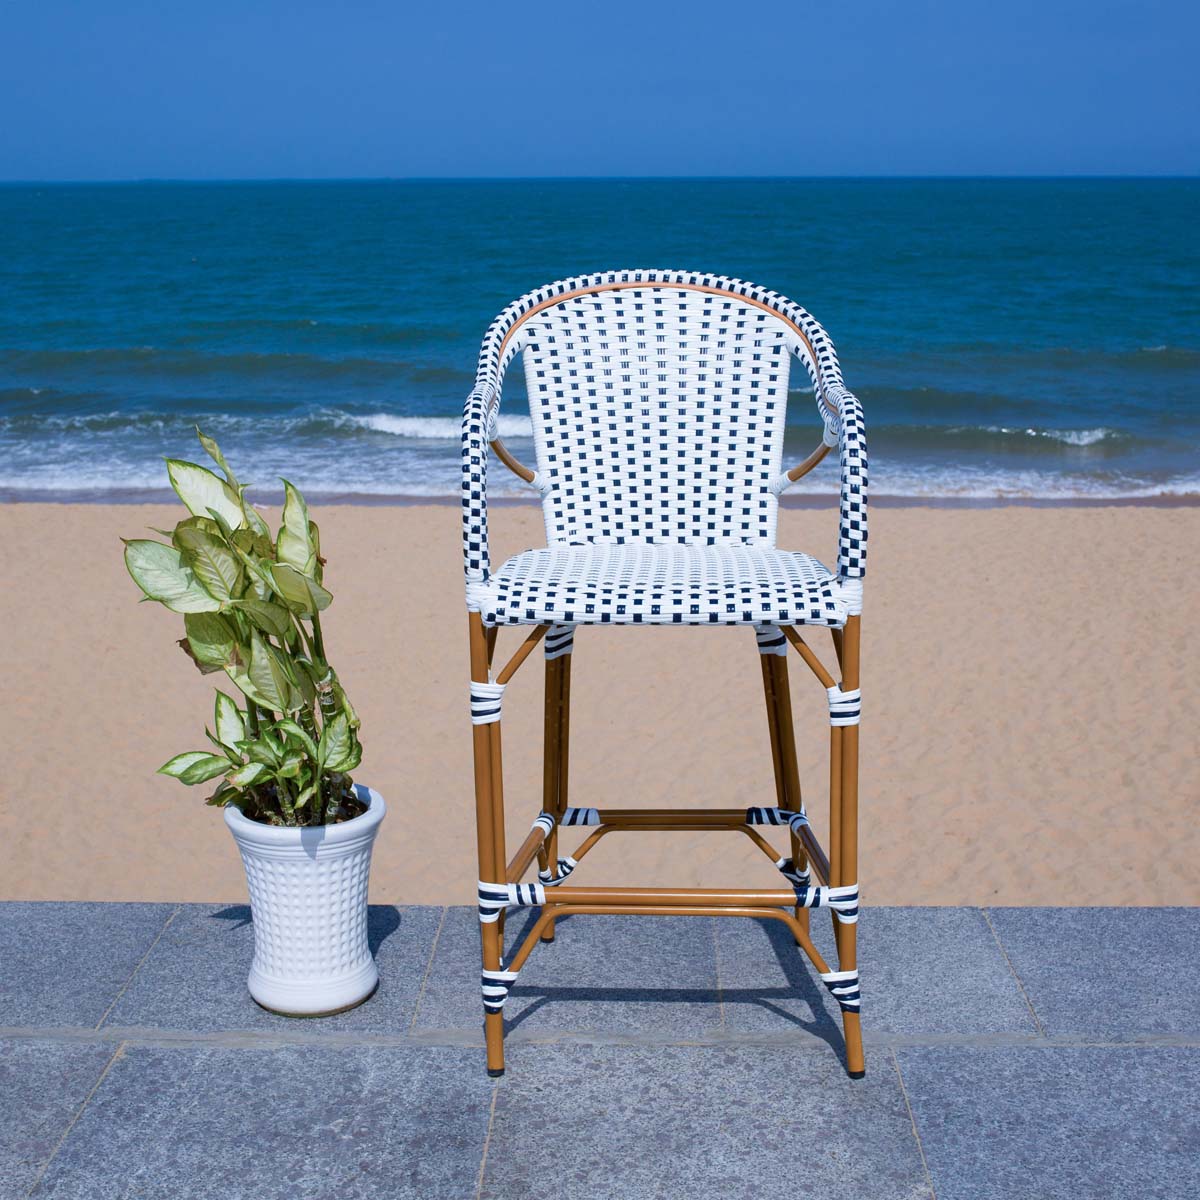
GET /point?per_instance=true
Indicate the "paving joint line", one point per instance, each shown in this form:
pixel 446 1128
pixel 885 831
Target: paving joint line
pixel 987 916
pixel 66 1133
pixel 428 967
pixel 912 1118
pixel 487 1139
pixel 140 963
pixel 247 1039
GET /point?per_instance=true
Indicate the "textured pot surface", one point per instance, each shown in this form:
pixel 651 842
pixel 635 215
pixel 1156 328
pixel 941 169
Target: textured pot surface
pixel 308 897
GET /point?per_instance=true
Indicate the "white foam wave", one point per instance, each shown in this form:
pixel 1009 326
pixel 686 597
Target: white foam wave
pixel 1069 437
pixel 438 428
pixel 384 477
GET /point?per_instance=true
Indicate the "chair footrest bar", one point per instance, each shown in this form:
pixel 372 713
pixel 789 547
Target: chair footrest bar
pixel 672 897
pixel 666 816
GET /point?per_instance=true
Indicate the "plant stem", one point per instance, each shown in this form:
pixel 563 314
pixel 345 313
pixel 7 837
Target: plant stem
pixel 318 639
pixel 308 641
pixel 285 802
pixel 334 802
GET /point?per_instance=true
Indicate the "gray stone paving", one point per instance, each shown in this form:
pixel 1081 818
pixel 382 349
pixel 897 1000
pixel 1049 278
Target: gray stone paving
pixel 1013 1054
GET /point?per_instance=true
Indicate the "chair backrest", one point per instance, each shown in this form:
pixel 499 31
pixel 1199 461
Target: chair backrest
pixel 659 402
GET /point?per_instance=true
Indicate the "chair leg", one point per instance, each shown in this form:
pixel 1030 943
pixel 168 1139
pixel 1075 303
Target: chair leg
pixel 489 819
pixel 843 851
pixel 783 753
pixel 554 763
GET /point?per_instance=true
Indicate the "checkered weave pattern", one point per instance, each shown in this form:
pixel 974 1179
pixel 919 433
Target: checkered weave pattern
pixel 635 584
pixel 658 401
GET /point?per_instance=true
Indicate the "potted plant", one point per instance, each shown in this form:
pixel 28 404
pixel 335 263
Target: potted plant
pixel 283 743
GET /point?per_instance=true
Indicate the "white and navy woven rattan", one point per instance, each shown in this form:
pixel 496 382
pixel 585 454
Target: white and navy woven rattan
pixel 658 401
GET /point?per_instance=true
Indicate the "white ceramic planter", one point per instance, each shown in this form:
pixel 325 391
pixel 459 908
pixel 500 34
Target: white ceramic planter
pixel 308 897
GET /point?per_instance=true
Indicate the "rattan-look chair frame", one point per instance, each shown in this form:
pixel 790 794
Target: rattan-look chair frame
pixel 835 603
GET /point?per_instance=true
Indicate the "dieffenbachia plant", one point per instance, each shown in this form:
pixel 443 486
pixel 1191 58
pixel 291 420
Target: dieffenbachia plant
pixel 251 608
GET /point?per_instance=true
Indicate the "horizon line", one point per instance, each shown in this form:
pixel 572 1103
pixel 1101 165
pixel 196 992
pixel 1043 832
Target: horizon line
pixel 334 179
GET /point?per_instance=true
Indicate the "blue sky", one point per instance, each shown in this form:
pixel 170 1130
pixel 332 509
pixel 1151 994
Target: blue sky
pixel 113 89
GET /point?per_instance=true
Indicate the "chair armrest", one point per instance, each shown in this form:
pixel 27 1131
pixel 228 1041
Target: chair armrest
pixel 848 424
pixel 479 412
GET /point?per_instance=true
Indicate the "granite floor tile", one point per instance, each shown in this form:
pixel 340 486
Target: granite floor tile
pixel 1057 1122
pixel 195 978
pixel 1107 971
pixel 42 1086
pixel 601 974
pixel 64 964
pixel 660 1123
pixel 296 1123
pixel 923 971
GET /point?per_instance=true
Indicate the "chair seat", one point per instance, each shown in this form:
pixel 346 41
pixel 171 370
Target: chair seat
pixel 667 584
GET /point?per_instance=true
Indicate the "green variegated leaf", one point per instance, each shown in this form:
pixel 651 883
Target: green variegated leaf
pixel 308 693
pixel 206 768
pixel 260 751
pixel 231 726
pixel 218 528
pixel 212 562
pixel 234 757
pixel 352 758
pixel 245 776
pixel 293 546
pixel 223 795
pixel 294 730
pixel 176 766
pixel 214 452
pixel 314 538
pixel 240 678
pixel 335 743
pixel 205 492
pixel 270 618
pixel 301 594
pixel 269 674
pixel 211 638
pixel 290 767
pixel 306 795
pixel 344 701
pixel 253 519
pixel 203 668
pixel 163 575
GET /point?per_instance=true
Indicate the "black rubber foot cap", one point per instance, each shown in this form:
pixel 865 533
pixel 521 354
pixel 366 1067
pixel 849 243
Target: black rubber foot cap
pixel 852 1074
pixel 547 940
pixel 495 1072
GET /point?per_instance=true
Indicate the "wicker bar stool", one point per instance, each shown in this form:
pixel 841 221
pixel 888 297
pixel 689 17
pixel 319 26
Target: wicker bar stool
pixel 658 401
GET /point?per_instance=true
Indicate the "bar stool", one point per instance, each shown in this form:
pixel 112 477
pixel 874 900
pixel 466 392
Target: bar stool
pixel 658 401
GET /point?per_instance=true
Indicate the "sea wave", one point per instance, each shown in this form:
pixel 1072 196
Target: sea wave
pixel 30 412
pixel 399 474
pixel 1069 437
pixel 438 428
pixel 147 489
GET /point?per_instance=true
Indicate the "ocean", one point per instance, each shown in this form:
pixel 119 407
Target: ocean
pixel 1009 338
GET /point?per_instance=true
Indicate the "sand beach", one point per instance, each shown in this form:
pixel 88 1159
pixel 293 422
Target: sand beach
pixel 1029 731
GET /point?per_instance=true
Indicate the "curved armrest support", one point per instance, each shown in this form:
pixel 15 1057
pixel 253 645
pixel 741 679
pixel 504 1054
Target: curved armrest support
pixel 786 480
pixel 518 468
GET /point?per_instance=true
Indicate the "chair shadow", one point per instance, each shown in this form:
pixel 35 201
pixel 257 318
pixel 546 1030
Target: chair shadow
pixel 382 921
pixel 801 984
